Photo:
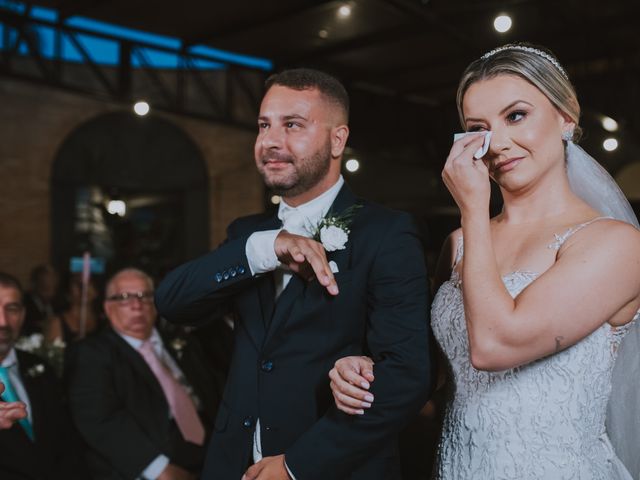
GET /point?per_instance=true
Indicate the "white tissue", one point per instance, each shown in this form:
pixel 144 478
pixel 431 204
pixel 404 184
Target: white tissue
pixel 485 146
pixel 333 266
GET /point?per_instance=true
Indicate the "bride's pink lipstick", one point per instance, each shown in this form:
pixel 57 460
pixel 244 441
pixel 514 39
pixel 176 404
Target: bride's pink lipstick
pixel 506 165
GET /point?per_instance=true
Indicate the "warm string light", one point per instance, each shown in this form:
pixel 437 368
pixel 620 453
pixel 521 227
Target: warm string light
pixel 502 23
pixel 352 165
pixel 141 108
pixel 610 144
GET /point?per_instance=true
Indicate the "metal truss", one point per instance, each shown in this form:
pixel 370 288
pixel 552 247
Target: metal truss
pixel 218 91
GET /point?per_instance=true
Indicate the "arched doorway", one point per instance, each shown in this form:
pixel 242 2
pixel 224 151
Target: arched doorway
pixel 149 166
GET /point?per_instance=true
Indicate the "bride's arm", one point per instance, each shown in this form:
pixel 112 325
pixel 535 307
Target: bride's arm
pixel 596 279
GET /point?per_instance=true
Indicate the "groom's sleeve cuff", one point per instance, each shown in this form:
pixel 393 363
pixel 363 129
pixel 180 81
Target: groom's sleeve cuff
pixel 261 253
pixel 289 471
pixel 155 468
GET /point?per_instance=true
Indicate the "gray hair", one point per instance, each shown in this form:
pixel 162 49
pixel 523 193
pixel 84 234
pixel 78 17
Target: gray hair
pixel 128 271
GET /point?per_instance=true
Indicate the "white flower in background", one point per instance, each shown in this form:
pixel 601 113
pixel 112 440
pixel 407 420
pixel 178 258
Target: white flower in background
pixel 333 238
pixel 36 370
pixel 58 343
pixel 31 343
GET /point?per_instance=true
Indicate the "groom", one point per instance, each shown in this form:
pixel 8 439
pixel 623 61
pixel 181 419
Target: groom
pixel 302 304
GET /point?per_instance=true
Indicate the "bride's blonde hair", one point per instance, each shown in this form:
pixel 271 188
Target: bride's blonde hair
pixel 535 64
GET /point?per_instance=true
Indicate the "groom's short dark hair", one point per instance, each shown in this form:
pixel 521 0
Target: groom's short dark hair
pixel 308 78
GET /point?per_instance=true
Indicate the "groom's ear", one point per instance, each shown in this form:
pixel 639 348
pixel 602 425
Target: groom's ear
pixel 339 136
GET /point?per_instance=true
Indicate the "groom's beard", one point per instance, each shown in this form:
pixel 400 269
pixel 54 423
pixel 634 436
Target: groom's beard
pixel 307 172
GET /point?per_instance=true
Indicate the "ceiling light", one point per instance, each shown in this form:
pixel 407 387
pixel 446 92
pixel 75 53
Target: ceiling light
pixel 323 33
pixel 502 23
pixel 609 124
pixel 344 11
pixel 352 165
pixel 141 108
pixel 275 199
pixel 610 144
pixel 117 207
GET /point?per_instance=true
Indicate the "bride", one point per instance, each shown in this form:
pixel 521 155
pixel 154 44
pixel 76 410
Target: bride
pixel 534 303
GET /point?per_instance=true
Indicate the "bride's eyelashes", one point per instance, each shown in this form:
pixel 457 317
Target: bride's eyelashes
pixel 516 116
pixel 476 128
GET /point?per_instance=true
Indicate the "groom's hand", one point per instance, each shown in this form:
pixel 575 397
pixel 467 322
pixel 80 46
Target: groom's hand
pixel 306 257
pixel 269 468
pixel 351 378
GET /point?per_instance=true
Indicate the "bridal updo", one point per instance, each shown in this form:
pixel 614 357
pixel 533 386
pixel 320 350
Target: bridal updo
pixel 536 65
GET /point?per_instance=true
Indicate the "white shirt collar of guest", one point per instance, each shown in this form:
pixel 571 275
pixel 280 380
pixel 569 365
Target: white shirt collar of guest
pixel 315 209
pixel 136 343
pixel 10 360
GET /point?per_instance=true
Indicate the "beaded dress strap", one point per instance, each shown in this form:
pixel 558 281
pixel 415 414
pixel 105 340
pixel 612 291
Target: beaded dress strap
pixel 459 252
pixel 560 239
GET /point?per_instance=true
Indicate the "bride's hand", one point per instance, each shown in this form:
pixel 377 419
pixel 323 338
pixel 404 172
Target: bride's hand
pixel 351 378
pixel 466 178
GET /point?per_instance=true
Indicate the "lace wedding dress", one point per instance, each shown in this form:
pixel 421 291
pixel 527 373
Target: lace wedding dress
pixel 544 420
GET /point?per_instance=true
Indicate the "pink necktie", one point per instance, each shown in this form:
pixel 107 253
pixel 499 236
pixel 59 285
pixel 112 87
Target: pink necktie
pixel 181 405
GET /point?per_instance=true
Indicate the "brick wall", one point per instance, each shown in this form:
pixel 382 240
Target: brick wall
pixel 35 120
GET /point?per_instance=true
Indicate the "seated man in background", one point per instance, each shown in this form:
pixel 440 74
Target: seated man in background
pixel 142 402
pixel 39 301
pixel 42 444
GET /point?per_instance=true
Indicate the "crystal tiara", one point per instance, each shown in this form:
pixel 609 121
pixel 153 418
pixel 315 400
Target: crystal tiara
pixel 535 51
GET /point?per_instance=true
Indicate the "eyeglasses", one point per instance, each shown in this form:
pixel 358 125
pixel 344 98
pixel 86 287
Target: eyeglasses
pixel 127 298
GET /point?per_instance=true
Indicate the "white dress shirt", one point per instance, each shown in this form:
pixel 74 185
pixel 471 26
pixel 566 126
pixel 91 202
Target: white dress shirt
pixel 155 468
pixel 262 258
pixel 10 362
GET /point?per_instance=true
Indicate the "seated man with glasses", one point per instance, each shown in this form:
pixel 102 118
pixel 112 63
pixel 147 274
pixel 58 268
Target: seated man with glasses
pixel 37 440
pixel 142 402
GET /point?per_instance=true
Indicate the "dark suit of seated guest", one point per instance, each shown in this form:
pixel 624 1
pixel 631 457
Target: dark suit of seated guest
pixel 43 445
pixel 142 403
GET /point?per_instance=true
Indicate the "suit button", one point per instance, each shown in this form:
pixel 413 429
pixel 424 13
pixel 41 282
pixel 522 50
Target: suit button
pixel 266 366
pixel 241 270
pixel 225 275
pixel 218 277
pixel 232 272
pixel 247 423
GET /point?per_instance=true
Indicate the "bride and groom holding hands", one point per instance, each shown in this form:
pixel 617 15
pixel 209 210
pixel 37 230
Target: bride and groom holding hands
pixel 529 315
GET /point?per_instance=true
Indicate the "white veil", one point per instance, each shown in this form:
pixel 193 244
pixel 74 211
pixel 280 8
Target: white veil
pixel 591 182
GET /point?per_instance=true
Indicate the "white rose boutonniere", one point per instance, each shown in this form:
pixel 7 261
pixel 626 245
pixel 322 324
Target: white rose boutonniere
pixel 333 230
pixel 333 238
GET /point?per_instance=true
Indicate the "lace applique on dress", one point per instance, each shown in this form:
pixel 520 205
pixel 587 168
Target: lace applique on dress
pixel 543 420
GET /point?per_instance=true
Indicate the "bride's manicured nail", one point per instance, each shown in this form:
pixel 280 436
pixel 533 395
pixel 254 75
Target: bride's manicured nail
pixel 368 397
pixel 365 385
pixel 366 404
pixel 360 412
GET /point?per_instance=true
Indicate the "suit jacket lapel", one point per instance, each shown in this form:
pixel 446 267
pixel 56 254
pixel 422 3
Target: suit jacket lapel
pixel 256 328
pixel 292 297
pixel 136 361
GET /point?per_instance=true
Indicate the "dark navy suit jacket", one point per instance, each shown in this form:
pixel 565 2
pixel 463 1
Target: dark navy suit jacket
pixel 284 350
pixel 57 452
